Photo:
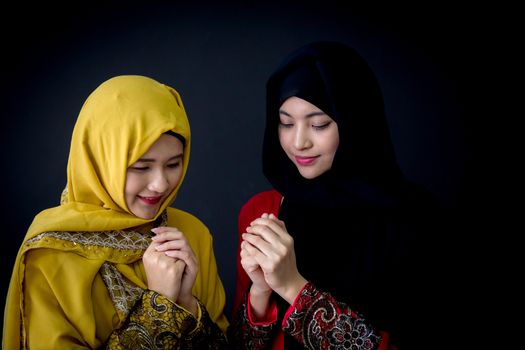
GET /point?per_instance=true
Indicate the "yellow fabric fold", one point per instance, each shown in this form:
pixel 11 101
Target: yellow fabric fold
pixel 56 291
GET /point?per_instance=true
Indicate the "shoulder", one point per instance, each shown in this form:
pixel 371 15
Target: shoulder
pixel 262 202
pixel 183 217
pixel 192 227
pixel 264 199
pixel 51 262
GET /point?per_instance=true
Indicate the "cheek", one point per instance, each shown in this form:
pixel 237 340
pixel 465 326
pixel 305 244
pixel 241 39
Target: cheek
pixel 334 143
pixel 174 180
pixel 333 148
pixel 284 140
pixel 133 185
pixel 329 149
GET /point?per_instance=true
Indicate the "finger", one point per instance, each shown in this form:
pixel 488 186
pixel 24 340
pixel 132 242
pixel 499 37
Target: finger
pixel 150 249
pixel 165 233
pixel 271 221
pixel 180 266
pixel 257 252
pixel 248 250
pixel 248 260
pixel 257 244
pixel 189 259
pixel 277 220
pixel 173 245
pixel 265 232
pixel 183 255
pixel 249 264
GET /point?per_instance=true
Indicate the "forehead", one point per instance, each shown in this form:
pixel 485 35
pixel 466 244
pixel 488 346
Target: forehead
pixel 165 146
pixel 297 102
pixel 296 107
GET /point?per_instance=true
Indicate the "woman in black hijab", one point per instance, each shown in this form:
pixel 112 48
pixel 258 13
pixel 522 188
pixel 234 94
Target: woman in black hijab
pixel 328 258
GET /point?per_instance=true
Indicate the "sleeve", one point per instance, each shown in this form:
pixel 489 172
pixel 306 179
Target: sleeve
pixel 269 202
pixel 318 321
pixel 245 334
pixel 242 333
pixel 242 281
pixel 158 323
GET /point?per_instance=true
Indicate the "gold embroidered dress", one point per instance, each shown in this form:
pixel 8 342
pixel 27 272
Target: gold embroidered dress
pixel 78 280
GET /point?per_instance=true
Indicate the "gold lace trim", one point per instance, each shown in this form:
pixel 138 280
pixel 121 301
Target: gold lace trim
pixel 118 239
pixel 123 293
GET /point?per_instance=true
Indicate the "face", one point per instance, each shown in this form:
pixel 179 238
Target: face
pixel 308 136
pixel 151 179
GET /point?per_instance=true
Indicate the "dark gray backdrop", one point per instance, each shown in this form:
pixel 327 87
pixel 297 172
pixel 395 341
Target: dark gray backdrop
pixel 219 57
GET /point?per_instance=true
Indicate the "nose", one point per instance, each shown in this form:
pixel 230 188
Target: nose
pixel 159 182
pixel 302 139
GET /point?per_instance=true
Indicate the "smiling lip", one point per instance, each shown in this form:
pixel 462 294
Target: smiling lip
pixel 305 160
pixel 150 200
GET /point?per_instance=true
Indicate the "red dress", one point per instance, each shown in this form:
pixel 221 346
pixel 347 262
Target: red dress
pixel 315 318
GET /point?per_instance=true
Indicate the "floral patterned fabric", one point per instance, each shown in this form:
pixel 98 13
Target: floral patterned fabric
pixel 316 320
pixel 158 323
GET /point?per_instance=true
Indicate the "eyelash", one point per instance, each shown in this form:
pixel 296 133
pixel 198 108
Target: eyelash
pixel 285 125
pixel 322 126
pixel 317 127
pixel 171 166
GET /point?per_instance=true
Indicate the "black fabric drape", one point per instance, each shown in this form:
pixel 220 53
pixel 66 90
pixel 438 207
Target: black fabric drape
pixel 361 231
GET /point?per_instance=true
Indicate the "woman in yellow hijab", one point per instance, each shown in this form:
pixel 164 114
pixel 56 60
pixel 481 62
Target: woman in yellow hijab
pixel 114 266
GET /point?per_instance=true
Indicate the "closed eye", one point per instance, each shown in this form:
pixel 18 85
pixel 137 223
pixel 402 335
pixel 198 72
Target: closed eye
pixel 285 125
pixel 139 168
pixel 322 126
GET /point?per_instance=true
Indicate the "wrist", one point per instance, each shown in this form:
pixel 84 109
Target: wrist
pixel 258 292
pixel 259 302
pixel 292 289
pixel 190 304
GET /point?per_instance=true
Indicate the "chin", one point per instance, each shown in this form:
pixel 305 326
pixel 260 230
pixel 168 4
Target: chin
pixel 308 176
pixel 145 216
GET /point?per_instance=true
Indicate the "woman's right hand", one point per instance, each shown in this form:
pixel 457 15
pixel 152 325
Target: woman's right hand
pixel 260 291
pixel 164 273
pixel 253 269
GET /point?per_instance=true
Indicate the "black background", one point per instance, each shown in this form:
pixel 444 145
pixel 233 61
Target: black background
pixel 431 60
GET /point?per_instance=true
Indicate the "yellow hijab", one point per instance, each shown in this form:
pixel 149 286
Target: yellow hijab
pixel 117 124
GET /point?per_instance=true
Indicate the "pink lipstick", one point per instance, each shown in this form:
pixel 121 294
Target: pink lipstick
pixel 305 160
pixel 150 200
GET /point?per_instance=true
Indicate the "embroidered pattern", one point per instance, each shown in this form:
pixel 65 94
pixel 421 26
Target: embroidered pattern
pixel 244 335
pixel 157 323
pixel 117 239
pixel 63 195
pixel 123 293
pixel 125 240
pixel 318 321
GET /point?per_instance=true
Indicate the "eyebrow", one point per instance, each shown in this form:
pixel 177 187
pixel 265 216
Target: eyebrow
pixel 151 160
pixel 309 115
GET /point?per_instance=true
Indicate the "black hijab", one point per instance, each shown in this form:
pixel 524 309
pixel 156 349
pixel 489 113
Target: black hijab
pixel 355 227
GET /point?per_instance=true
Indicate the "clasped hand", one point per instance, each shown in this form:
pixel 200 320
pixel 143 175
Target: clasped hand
pixel 171 266
pixel 268 257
